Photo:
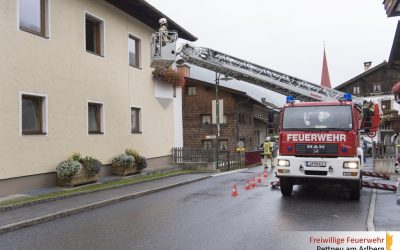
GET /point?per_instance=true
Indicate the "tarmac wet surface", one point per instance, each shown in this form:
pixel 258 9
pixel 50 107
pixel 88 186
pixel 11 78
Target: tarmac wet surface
pixel 202 215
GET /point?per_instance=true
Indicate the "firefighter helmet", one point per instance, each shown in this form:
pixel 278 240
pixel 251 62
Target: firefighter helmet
pixel 268 138
pixel 162 21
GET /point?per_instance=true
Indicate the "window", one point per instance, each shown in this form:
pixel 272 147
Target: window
pixel 225 119
pixel 207 144
pixel 356 90
pixel 95 118
pixel 33 114
pixel 134 51
pixel 223 145
pixel 135 120
pixel 317 118
pixel 386 104
pixel 191 91
pixel 94 35
pixel 377 88
pixel 206 119
pixel 33 16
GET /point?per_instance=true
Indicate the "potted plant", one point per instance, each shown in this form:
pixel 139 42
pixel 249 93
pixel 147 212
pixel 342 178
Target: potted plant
pixel 170 76
pixel 140 161
pixel 77 170
pixel 91 165
pixel 123 164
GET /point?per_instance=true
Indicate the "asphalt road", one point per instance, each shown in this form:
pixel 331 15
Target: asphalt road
pixel 202 215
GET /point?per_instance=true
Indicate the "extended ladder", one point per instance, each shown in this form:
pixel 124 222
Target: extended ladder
pixel 258 75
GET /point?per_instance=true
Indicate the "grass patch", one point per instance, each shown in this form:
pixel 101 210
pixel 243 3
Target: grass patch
pixel 91 188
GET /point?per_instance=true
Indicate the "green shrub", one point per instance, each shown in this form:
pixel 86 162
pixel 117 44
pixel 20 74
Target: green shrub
pixel 141 163
pixel 132 152
pixel 123 160
pixel 91 164
pixel 67 169
pixel 76 156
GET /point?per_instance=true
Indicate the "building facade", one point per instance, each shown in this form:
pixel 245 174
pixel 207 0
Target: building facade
pixel 376 84
pixel 76 77
pixel 242 118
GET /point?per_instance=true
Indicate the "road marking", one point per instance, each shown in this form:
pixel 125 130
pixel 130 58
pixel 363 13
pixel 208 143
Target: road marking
pixel 371 212
pixel 229 172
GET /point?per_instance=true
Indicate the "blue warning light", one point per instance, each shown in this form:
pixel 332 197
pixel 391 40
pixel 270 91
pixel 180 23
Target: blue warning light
pixel 289 99
pixel 347 97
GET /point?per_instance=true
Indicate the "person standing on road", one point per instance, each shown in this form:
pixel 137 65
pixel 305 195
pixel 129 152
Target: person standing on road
pixel 268 152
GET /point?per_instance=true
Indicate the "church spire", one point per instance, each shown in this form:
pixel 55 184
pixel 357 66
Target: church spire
pixel 325 80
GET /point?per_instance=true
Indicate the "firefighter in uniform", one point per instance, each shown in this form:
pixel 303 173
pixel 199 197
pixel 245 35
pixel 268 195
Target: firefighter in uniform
pixel 163 31
pixel 268 152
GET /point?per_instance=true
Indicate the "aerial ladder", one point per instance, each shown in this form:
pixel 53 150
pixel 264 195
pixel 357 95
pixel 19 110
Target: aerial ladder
pixel 245 71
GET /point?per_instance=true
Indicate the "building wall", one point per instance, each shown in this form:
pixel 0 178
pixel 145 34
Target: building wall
pixel 61 69
pixel 246 129
pixel 386 76
pixel 194 132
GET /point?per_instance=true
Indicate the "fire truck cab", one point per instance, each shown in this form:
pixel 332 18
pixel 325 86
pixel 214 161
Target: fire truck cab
pixel 319 142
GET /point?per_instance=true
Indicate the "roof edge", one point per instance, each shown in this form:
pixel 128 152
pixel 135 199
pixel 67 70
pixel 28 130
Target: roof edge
pixel 384 63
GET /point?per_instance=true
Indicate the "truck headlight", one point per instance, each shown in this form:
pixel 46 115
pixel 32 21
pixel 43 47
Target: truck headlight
pixel 284 163
pixel 350 164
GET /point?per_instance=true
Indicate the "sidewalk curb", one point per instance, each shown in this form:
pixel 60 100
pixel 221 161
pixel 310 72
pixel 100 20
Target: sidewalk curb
pixel 67 212
pixel 30 203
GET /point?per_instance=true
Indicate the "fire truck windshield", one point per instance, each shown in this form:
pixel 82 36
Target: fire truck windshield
pixel 318 118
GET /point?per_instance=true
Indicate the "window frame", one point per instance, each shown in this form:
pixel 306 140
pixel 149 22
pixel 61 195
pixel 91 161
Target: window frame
pixel 201 119
pixel 42 112
pixel 44 20
pixel 101 119
pixel 138 47
pixel 190 93
pixel 203 144
pixel 224 119
pixel 101 31
pixel 376 84
pixel 220 144
pixel 358 92
pixel 138 120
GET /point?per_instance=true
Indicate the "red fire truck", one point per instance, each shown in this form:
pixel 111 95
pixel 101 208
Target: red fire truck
pixel 319 142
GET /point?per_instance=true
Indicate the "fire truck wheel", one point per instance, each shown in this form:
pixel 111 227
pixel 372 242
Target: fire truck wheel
pixel 286 186
pixel 355 190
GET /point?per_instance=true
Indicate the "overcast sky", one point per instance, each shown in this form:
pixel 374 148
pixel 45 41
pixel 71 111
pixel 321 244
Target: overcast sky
pixel 288 36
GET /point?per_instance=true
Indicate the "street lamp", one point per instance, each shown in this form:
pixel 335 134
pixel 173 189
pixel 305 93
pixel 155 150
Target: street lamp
pixel 217 79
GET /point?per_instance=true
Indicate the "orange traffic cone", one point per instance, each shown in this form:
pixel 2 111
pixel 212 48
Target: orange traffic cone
pixel 253 183
pixel 265 174
pixel 234 191
pixel 259 178
pixel 247 184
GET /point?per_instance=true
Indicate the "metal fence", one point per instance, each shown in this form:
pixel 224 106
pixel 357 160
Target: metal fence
pixel 384 158
pixel 226 160
pixel 383 150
